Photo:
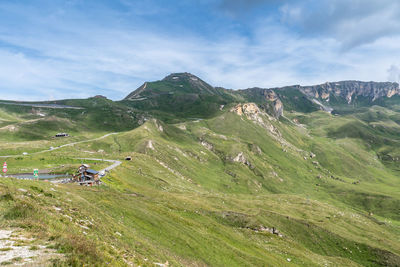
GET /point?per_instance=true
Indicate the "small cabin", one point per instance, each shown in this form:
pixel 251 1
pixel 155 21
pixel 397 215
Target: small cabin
pixel 86 176
pixel 62 135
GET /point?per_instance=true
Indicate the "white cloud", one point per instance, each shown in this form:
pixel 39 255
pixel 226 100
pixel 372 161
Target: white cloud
pixel 353 23
pixel 74 59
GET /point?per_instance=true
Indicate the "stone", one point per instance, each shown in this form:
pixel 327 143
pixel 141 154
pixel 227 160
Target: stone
pixel 150 145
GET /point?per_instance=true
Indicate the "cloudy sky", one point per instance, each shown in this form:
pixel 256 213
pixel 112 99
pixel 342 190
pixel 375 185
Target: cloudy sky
pixel 79 48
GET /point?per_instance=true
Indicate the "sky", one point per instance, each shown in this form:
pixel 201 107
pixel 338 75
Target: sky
pixel 54 49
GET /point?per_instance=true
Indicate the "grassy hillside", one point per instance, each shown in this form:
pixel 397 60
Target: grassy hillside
pixel 207 185
pixel 180 96
pixel 209 192
pixel 79 118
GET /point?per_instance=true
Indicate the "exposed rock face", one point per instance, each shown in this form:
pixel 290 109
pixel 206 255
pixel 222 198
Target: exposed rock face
pixel 276 102
pixel 252 112
pixel 237 109
pixel 250 108
pixel 278 108
pixel 150 145
pixel 247 109
pixel 351 89
pixel 267 98
pixel 324 95
pixel 207 145
pixel 242 159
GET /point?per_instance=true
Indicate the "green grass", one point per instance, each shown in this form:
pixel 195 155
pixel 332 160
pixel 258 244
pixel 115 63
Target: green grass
pixel 189 205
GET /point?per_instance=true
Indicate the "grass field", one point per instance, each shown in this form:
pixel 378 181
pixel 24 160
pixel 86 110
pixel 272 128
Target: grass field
pixel 188 199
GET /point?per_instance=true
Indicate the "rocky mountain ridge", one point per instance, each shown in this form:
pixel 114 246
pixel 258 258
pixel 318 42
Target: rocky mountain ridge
pixel 183 92
pixel 346 89
pixel 351 89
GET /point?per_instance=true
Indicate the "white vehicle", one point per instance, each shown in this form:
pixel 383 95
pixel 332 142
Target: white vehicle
pixel 25 153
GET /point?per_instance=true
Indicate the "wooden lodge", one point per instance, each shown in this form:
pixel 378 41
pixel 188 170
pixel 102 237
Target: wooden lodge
pixel 86 176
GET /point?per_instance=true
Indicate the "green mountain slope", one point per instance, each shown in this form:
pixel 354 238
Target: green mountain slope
pixel 79 117
pixel 180 95
pixel 234 187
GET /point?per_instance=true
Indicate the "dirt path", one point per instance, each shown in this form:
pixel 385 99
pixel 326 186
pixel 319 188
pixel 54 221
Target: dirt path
pixel 16 249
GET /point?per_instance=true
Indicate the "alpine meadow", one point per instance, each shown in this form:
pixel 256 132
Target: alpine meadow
pixel 183 171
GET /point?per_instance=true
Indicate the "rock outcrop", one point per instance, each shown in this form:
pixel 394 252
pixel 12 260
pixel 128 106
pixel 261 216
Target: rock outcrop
pixel 276 103
pixel 253 113
pixel 349 90
pixel 246 109
pixel 241 159
pixel 250 108
pixel 150 145
pixel 268 100
pixel 207 145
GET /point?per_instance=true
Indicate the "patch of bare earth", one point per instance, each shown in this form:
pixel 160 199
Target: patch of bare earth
pixel 19 250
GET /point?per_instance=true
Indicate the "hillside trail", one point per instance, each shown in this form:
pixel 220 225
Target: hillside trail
pixel 115 163
pixel 65 145
pixel 19 250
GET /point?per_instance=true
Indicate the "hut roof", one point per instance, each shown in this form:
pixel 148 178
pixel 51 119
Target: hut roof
pixel 91 171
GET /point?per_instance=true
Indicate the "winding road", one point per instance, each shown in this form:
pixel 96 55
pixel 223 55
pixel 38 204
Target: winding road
pixel 115 163
pixel 58 147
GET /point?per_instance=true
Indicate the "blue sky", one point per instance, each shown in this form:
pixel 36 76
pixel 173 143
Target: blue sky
pixel 79 48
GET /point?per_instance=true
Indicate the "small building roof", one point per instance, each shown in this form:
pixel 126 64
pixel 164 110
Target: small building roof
pixel 91 171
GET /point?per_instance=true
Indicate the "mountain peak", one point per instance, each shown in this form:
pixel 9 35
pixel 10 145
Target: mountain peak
pixel 181 76
pixel 175 83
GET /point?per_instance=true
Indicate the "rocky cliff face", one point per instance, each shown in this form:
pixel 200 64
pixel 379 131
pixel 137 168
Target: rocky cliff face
pixel 351 89
pixel 266 98
pixel 247 109
pixel 277 105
